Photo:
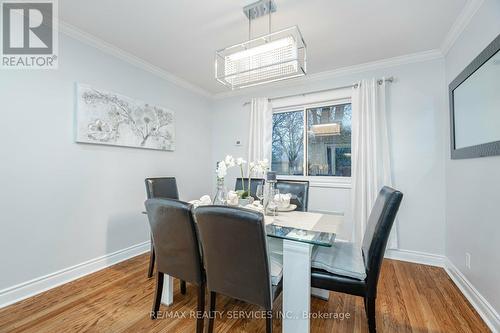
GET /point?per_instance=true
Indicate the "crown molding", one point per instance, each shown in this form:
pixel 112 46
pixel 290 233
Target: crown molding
pixel 460 24
pixel 378 64
pixel 108 48
pixel 343 71
pixel 119 53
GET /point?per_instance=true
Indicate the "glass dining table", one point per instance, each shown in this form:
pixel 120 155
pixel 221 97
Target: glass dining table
pixel 300 232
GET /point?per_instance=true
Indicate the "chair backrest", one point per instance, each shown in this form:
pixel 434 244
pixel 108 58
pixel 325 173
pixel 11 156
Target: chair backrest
pixel 377 233
pixel 254 182
pixel 164 187
pixel 298 189
pixel 175 239
pixel 235 253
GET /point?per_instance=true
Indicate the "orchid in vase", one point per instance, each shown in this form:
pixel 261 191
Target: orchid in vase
pixel 256 168
pixel 221 171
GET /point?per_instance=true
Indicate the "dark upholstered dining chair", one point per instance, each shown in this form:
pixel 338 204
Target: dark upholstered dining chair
pixel 254 182
pixel 161 187
pixel 299 189
pixel 352 270
pixel 235 256
pixel 177 248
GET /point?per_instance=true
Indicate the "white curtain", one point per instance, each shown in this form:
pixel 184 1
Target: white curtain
pixel 371 166
pixel 259 147
pixel 261 128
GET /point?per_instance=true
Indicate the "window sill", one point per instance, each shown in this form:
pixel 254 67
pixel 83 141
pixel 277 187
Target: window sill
pixel 321 181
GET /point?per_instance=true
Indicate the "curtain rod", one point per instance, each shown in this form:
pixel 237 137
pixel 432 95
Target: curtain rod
pixel 355 85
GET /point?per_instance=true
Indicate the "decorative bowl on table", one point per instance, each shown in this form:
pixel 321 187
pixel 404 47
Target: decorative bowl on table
pixel 246 201
pixel 283 201
pixel 256 205
pixel 290 208
pixel 232 199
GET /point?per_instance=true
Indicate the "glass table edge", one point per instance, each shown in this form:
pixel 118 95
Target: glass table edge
pixel 324 243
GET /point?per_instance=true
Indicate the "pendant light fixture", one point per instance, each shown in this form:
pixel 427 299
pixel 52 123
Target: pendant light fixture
pixel 273 57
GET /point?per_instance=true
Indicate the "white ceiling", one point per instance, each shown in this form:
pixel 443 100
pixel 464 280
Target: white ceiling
pixel 181 36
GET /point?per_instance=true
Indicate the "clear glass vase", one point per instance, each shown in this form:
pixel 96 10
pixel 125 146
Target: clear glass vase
pixel 270 205
pixel 221 194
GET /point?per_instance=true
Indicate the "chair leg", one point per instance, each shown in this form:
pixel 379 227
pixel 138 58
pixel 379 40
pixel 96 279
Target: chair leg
pixel 151 260
pixel 211 314
pixel 183 287
pixel 370 313
pixel 269 323
pixel 157 299
pixel 201 308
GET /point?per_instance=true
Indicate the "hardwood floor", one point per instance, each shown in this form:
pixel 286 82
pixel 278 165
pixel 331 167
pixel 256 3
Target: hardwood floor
pixel 411 298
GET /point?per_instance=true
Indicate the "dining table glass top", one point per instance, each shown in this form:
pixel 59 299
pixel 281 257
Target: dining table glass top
pixel 315 228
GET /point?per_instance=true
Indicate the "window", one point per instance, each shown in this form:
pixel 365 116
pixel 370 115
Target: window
pixel 313 141
pixel 288 143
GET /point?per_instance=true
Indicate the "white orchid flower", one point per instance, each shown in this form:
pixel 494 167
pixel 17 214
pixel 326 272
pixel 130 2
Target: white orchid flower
pixel 221 169
pixel 240 161
pixel 229 160
pixel 259 167
pixel 264 164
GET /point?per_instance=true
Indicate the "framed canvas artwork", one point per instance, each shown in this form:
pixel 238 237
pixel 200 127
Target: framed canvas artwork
pixel 109 118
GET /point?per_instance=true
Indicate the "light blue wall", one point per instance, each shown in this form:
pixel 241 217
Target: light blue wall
pixel 473 185
pixel 63 203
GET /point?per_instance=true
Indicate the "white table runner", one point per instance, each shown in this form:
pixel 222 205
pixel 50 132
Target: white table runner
pixel 307 221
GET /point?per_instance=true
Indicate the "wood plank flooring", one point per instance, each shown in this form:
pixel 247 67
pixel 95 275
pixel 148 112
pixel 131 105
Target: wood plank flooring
pixel 411 298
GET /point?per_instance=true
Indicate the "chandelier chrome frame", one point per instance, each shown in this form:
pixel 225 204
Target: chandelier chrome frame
pixel 273 57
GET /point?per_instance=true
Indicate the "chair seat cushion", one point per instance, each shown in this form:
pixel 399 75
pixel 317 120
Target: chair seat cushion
pixel 342 258
pixel 276 267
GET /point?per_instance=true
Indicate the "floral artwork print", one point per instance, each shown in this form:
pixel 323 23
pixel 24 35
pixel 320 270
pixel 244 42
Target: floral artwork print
pixel 113 119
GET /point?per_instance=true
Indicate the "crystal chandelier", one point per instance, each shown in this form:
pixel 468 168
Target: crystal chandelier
pixel 276 56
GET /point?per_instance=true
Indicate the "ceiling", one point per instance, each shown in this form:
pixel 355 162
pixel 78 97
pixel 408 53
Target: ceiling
pixel 181 36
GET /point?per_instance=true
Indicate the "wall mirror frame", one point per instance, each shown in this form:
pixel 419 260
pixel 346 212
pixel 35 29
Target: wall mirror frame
pixel 461 150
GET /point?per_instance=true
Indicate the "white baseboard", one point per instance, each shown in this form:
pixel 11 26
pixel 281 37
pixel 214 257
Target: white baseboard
pixel 30 288
pixel 416 257
pixel 480 304
pixel 485 310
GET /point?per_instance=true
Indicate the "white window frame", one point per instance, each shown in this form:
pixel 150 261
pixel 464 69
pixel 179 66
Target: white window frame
pixel 316 181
